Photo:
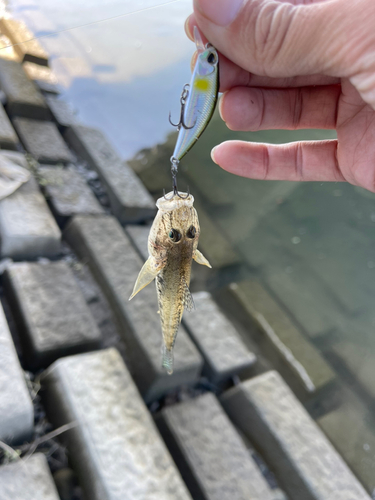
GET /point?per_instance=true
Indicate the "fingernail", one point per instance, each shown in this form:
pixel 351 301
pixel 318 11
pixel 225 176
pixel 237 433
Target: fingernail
pixel 221 12
pixel 187 29
pixel 213 155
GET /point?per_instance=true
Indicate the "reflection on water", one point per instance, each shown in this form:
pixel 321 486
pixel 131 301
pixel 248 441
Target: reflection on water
pixel 311 245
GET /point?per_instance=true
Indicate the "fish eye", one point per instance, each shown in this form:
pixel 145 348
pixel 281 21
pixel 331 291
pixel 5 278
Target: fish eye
pixel 191 232
pixel 211 59
pixel 174 235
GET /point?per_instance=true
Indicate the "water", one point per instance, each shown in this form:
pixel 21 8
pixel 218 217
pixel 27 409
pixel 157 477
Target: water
pixel 312 245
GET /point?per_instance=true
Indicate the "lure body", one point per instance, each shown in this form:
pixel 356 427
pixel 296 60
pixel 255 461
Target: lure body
pixel 201 100
pixel 172 244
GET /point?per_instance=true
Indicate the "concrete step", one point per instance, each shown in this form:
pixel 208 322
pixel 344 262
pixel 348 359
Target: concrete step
pixel 43 77
pixel 115 448
pixel 28 479
pixel 8 136
pixel 218 341
pixel 27 227
pixel 16 409
pixel 23 97
pixel 129 199
pixel 42 140
pixel 61 111
pixel 213 460
pixel 50 311
pixel 304 461
pixel 24 43
pixel 116 267
pixel 67 192
pixel 282 338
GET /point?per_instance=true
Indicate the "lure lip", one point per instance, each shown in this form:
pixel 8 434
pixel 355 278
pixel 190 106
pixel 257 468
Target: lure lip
pixel 198 41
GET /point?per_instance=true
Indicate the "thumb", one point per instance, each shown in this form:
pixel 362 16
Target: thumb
pixel 280 38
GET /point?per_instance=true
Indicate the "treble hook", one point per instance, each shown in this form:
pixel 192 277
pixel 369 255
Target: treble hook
pixel 174 167
pixel 181 123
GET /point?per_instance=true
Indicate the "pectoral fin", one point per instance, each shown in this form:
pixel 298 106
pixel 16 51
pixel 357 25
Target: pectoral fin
pixel 201 259
pixel 148 272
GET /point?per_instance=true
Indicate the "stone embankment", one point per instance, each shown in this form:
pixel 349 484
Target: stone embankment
pixel 85 407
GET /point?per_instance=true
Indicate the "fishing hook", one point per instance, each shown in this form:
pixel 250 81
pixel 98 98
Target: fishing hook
pixel 181 123
pixel 174 167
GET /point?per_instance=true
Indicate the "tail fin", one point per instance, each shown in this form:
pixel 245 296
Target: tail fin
pixel 167 359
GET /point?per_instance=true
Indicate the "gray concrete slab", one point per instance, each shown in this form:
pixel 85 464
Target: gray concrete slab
pixel 304 461
pixel 115 448
pixel 8 136
pixel 61 111
pixel 67 192
pixel 43 77
pixel 218 341
pixel 213 460
pixel 42 140
pixel 282 337
pixel 23 97
pixel 16 409
pixel 27 227
pixel 129 199
pixel 23 40
pixel 51 313
pixel 102 243
pixel 28 479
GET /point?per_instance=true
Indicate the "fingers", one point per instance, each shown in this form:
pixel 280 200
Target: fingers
pixel 297 161
pixel 279 39
pixel 249 109
pixel 232 75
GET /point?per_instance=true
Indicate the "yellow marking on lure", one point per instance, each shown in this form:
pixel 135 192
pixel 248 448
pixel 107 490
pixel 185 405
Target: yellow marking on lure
pixel 201 84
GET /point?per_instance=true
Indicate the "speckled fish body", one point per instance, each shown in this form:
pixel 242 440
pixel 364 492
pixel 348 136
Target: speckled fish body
pixel 201 100
pixel 172 244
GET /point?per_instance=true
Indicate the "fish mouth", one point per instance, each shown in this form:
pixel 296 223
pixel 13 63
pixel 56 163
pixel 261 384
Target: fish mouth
pixel 175 201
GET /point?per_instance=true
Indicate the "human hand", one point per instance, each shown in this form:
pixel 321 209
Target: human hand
pixel 293 64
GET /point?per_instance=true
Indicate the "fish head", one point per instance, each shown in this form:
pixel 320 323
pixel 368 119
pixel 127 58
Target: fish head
pixel 176 227
pixel 207 59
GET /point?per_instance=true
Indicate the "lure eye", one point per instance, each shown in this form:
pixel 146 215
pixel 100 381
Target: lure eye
pixel 191 232
pixel 211 59
pixel 174 235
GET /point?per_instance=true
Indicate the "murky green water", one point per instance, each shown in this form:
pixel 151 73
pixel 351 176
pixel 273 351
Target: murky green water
pixel 312 245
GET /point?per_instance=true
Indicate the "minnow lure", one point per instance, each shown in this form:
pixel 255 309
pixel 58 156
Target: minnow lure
pixel 172 244
pixel 198 100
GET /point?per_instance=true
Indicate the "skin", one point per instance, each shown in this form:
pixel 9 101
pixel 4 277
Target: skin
pixel 291 65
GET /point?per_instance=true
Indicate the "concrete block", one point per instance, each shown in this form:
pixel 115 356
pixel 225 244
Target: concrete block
pixel 67 192
pixel 139 237
pixel 211 456
pixel 28 479
pixel 282 338
pixel 61 111
pixel 51 313
pixel 115 448
pixel 218 341
pixel 128 197
pixel 27 227
pixel 43 141
pixel 23 41
pixel 6 49
pixel 23 98
pixel 304 461
pixel 16 409
pixel 116 267
pixel 8 137
pixel 43 77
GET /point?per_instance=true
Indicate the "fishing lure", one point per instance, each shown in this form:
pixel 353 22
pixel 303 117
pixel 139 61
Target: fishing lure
pixel 198 102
